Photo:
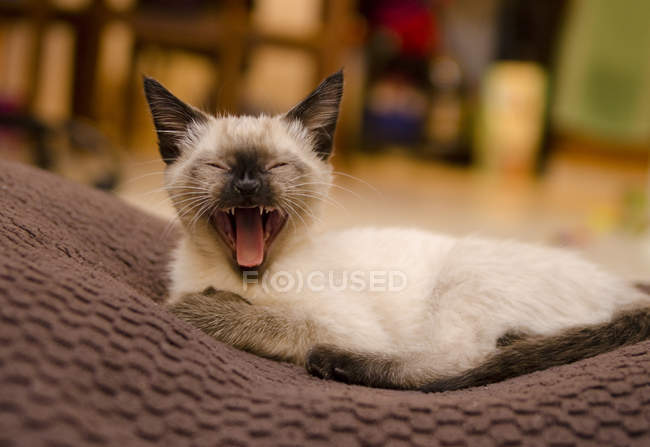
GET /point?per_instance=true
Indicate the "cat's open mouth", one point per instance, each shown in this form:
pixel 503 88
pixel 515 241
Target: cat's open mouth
pixel 249 232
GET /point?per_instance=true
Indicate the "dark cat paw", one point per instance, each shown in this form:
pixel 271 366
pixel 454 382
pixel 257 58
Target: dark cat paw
pixel 329 362
pixel 356 368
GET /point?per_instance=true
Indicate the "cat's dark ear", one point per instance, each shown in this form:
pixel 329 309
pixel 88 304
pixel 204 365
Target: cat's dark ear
pixel 319 112
pixel 171 117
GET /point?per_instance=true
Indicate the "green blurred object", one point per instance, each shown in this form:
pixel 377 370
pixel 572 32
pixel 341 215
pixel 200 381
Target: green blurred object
pixel 635 211
pixel 603 86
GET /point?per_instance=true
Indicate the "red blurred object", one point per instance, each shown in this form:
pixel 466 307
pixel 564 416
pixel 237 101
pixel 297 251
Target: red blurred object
pixel 412 22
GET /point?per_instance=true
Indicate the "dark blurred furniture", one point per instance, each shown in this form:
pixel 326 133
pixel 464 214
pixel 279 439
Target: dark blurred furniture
pixel 219 30
pixel 225 36
pixel 87 26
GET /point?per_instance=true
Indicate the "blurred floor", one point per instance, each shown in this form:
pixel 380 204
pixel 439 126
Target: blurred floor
pixel 577 203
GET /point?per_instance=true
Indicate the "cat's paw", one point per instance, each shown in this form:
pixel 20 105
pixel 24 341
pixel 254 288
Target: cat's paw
pixel 330 362
pixel 356 368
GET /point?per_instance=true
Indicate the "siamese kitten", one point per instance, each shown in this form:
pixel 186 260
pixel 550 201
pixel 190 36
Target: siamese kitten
pixel 393 307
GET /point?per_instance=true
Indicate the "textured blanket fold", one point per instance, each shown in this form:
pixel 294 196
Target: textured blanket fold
pixel 87 357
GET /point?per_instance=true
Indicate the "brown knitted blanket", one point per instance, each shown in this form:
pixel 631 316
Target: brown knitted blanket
pixel 87 357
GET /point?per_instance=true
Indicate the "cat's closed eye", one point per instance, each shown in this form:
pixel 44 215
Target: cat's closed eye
pixel 277 165
pixel 217 165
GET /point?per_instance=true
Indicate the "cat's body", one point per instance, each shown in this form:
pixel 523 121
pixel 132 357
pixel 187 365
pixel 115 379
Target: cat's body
pixel 385 307
pixel 458 298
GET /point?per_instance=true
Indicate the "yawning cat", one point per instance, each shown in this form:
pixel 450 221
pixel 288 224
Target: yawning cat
pixel 394 307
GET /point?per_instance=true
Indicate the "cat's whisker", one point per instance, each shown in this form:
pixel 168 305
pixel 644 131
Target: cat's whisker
pixel 183 212
pixel 166 189
pixel 289 219
pixel 191 188
pixel 140 177
pixel 306 212
pixel 191 181
pixel 172 199
pixel 166 197
pixel 148 162
pixel 188 208
pixel 304 197
pixel 181 192
pixel 148 193
pixel 293 224
pixel 360 180
pixel 169 227
pixel 197 216
pixel 206 206
pixel 290 206
pixel 317 195
pixel 192 203
pixel 185 194
pixel 322 197
pixel 284 207
pixel 192 223
pixel 186 201
pixel 181 195
pixel 298 177
pixel 164 200
pixel 182 203
pixel 173 132
pixel 333 185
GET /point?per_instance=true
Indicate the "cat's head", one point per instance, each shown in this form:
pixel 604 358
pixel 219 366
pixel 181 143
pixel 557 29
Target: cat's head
pixel 245 184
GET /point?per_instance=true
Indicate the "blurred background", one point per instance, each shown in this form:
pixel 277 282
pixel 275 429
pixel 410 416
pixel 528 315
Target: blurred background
pixel 508 118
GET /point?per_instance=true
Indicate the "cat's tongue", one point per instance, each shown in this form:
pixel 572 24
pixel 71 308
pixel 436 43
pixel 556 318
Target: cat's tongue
pixel 249 237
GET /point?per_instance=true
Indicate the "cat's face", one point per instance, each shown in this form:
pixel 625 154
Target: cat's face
pixel 245 184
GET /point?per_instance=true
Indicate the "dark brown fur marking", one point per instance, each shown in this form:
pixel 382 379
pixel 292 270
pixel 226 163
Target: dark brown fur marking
pixel 509 338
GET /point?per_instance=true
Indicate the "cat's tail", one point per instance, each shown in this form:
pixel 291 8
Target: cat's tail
pixel 537 353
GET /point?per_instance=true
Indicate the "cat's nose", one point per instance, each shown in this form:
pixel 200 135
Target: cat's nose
pixel 247 186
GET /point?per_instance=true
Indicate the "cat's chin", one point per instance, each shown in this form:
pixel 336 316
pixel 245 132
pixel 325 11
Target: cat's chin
pixel 248 232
